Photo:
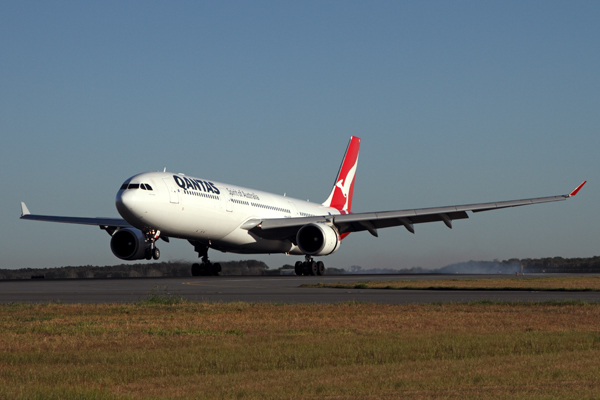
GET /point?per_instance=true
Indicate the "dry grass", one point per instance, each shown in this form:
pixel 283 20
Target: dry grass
pixel 570 283
pixel 348 350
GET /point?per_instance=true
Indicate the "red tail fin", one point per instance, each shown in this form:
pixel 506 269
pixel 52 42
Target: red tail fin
pixel 341 194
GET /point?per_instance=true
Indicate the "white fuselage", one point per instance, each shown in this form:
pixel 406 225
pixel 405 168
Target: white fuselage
pixel 209 212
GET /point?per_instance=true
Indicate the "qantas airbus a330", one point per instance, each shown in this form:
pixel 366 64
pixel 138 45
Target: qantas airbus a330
pixel 162 205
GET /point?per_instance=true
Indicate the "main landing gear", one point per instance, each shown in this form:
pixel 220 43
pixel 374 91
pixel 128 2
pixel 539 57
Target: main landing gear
pixel 153 251
pixel 206 268
pixel 309 267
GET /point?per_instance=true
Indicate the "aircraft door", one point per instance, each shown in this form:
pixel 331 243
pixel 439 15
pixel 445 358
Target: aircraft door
pixel 173 191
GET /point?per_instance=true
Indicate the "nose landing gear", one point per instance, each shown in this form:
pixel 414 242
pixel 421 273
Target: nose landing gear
pixel 152 253
pixel 309 267
pixel 151 236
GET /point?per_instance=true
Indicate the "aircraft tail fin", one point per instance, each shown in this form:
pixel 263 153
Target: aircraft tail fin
pixel 341 194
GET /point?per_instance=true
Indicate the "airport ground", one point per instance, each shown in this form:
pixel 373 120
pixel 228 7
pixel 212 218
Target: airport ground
pixel 267 337
pixel 278 289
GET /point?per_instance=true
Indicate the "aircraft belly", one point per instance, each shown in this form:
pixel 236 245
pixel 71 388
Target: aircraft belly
pixel 245 242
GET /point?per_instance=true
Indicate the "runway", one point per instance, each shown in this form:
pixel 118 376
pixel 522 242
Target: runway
pixel 279 289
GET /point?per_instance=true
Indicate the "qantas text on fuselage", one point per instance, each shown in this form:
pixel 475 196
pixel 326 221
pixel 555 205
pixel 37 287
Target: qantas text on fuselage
pixel 228 218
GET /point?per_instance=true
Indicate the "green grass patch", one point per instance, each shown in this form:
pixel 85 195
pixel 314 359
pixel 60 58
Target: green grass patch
pixel 348 350
pixel 161 296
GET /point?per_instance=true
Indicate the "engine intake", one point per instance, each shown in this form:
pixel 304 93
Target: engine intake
pixel 317 239
pixel 129 244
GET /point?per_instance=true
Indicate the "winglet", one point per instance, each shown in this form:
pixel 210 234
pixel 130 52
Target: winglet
pixel 24 209
pixel 574 192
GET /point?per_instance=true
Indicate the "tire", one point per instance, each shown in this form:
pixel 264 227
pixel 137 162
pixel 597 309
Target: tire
pixel 156 253
pixel 320 268
pixel 216 269
pixel 312 268
pixel 206 269
pixel 148 254
pixel 298 268
pixel 195 269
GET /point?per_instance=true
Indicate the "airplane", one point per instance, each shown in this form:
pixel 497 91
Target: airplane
pixel 230 218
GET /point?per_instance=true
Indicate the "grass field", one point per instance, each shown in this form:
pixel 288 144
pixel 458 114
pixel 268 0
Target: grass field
pixel 569 283
pixel 168 348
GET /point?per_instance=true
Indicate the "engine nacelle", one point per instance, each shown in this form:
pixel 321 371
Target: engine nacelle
pixel 318 239
pixel 129 244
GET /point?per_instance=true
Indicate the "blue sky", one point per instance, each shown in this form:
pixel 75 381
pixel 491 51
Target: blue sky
pixel 455 102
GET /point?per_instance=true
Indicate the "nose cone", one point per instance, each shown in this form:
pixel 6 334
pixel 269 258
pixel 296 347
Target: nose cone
pixel 127 203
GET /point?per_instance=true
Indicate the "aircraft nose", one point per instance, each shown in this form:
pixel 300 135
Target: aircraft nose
pixel 126 202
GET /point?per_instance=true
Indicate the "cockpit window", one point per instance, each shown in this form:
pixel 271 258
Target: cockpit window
pixel 143 186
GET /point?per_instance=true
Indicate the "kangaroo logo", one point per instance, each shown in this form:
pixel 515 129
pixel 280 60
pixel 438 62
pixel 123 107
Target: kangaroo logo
pixel 341 194
pixel 346 184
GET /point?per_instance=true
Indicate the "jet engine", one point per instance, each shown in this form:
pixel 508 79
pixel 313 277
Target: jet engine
pixel 318 239
pixel 129 244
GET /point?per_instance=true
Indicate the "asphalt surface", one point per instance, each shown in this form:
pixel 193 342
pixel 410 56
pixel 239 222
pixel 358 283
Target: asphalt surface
pixel 279 289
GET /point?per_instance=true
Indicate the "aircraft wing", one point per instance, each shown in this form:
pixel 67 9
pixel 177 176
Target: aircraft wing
pixel 104 223
pixel 286 227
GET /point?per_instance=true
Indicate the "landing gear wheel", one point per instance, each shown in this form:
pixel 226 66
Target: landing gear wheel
pixel 206 269
pixel 156 253
pixel 216 269
pixel 312 267
pixel 320 268
pixel 148 254
pixel 196 269
pixel 298 269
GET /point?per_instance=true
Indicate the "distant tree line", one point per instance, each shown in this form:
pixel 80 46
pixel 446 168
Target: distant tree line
pixel 511 266
pixel 526 265
pixel 559 264
pixel 147 270
pixel 254 267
